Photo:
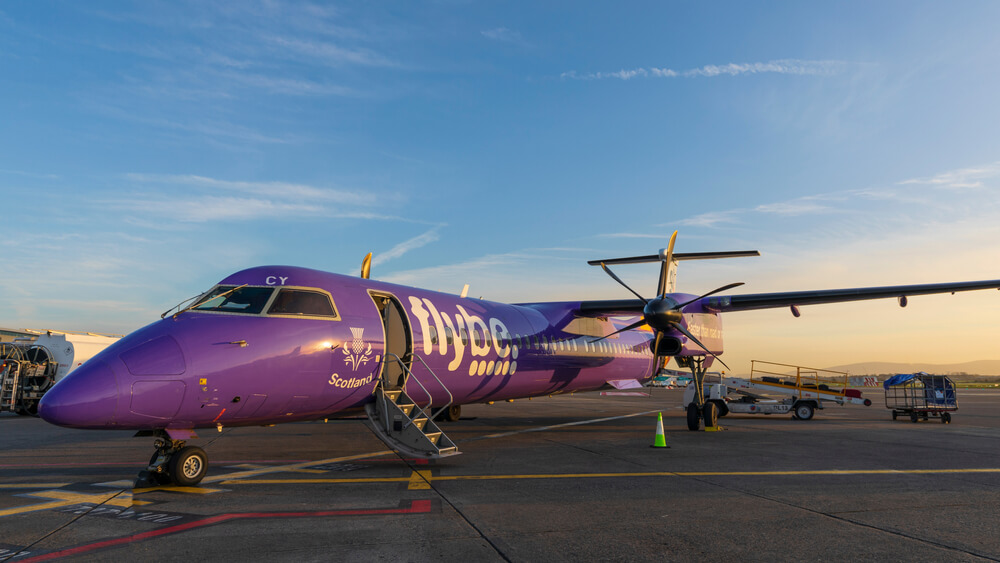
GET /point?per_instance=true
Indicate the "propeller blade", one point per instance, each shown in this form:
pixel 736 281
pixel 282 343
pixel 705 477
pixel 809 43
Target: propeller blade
pixel 713 292
pixel 625 285
pixel 656 346
pixel 687 333
pixel 636 324
pixel 661 288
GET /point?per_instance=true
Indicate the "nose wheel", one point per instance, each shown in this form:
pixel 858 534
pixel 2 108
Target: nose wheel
pixel 173 463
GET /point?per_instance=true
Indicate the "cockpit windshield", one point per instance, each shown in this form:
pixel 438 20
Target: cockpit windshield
pixel 235 299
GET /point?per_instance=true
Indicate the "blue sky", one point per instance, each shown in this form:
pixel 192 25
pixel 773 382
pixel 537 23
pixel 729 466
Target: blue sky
pixel 148 149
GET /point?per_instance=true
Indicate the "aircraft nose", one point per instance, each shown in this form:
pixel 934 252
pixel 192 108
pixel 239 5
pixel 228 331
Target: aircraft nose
pixel 86 398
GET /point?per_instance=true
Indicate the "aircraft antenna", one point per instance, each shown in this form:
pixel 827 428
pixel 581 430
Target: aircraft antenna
pixel 366 266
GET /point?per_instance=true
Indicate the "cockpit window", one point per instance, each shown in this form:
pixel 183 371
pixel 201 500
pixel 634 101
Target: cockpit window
pixel 235 299
pixel 302 302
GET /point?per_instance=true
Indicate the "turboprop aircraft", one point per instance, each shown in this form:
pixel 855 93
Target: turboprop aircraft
pixel 275 344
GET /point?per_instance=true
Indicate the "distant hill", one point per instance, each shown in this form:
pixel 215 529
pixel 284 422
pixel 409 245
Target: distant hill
pixel 978 367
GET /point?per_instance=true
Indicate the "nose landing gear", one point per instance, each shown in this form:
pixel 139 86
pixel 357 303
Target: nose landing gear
pixel 174 463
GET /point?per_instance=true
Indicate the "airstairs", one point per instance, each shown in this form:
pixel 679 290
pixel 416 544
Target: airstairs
pixel 403 424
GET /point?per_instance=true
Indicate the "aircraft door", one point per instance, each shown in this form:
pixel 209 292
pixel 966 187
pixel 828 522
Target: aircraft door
pixel 398 339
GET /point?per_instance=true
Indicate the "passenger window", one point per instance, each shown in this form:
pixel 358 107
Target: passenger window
pixel 433 333
pixel 449 335
pixel 302 302
pixel 465 337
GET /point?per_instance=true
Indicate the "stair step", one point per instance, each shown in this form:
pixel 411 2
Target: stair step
pixel 399 422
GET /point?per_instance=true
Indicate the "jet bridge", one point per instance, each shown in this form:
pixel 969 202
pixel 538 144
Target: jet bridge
pixel 774 388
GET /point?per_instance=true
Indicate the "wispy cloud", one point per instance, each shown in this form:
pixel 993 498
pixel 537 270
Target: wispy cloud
pixel 459 271
pixel 273 189
pixel 504 35
pixel 204 209
pixel 190 198
pixel 782 66
pixel 30 174
pixel 406 246
pixel 327 53
pixel 796 207
pixel 287 86
pixel 963 178
pixel 633 235
pixel 711 219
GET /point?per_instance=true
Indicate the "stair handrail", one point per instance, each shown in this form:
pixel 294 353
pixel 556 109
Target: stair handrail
pixel 407 372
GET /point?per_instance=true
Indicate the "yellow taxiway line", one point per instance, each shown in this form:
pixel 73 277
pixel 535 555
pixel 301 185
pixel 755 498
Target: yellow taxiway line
pixel 420 479
pixel 69 498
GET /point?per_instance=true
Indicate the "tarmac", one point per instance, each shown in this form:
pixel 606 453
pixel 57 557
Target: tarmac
pixel 565 478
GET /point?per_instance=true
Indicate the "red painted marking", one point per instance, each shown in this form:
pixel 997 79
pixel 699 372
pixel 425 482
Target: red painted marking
pixel 128 463
pixel 220 414
pixel 416 507
pixel 420 462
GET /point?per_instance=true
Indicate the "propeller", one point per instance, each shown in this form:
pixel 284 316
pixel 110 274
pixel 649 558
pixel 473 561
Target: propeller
pixel 663 313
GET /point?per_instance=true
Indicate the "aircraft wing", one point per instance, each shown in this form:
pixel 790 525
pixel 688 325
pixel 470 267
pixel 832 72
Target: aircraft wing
pixel 751 301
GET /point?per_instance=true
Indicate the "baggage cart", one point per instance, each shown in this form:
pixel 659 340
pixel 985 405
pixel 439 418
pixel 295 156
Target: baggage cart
pixel 920 396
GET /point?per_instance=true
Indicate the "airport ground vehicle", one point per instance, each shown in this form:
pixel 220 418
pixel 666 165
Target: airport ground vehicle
pixel 774 389
pixel 30 367
pixel 921 396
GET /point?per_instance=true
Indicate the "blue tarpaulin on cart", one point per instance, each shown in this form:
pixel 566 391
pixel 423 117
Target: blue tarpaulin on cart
pixel 898 379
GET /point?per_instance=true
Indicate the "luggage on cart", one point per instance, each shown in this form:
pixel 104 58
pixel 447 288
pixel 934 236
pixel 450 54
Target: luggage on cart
pixel 921 396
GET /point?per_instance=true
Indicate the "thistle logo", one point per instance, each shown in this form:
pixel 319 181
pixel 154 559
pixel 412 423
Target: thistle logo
pixel 358 353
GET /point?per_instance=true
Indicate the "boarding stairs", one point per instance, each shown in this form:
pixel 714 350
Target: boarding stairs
pixel 403 424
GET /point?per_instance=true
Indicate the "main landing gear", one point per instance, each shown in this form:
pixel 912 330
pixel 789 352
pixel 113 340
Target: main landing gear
pixel 700 410
pixel 173 463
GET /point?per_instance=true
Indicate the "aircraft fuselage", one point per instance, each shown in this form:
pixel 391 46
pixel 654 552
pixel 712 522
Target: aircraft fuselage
pixel 265 364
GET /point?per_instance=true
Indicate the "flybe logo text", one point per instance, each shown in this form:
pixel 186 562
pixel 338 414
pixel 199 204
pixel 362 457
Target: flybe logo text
pixel 461 331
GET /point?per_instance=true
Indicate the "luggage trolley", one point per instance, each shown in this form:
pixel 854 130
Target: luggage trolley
pixel 921 396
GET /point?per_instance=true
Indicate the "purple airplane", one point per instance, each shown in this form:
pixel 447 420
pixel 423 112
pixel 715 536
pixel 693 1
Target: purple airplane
pixel 279 344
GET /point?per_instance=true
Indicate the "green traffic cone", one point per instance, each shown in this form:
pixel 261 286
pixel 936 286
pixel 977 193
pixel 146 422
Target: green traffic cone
pixel 660 441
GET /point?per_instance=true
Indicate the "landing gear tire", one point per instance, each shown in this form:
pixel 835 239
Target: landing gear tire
pixel 187 466
pixel 693 417
pixel 710 412
pixel 804 411
pixel 452 414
